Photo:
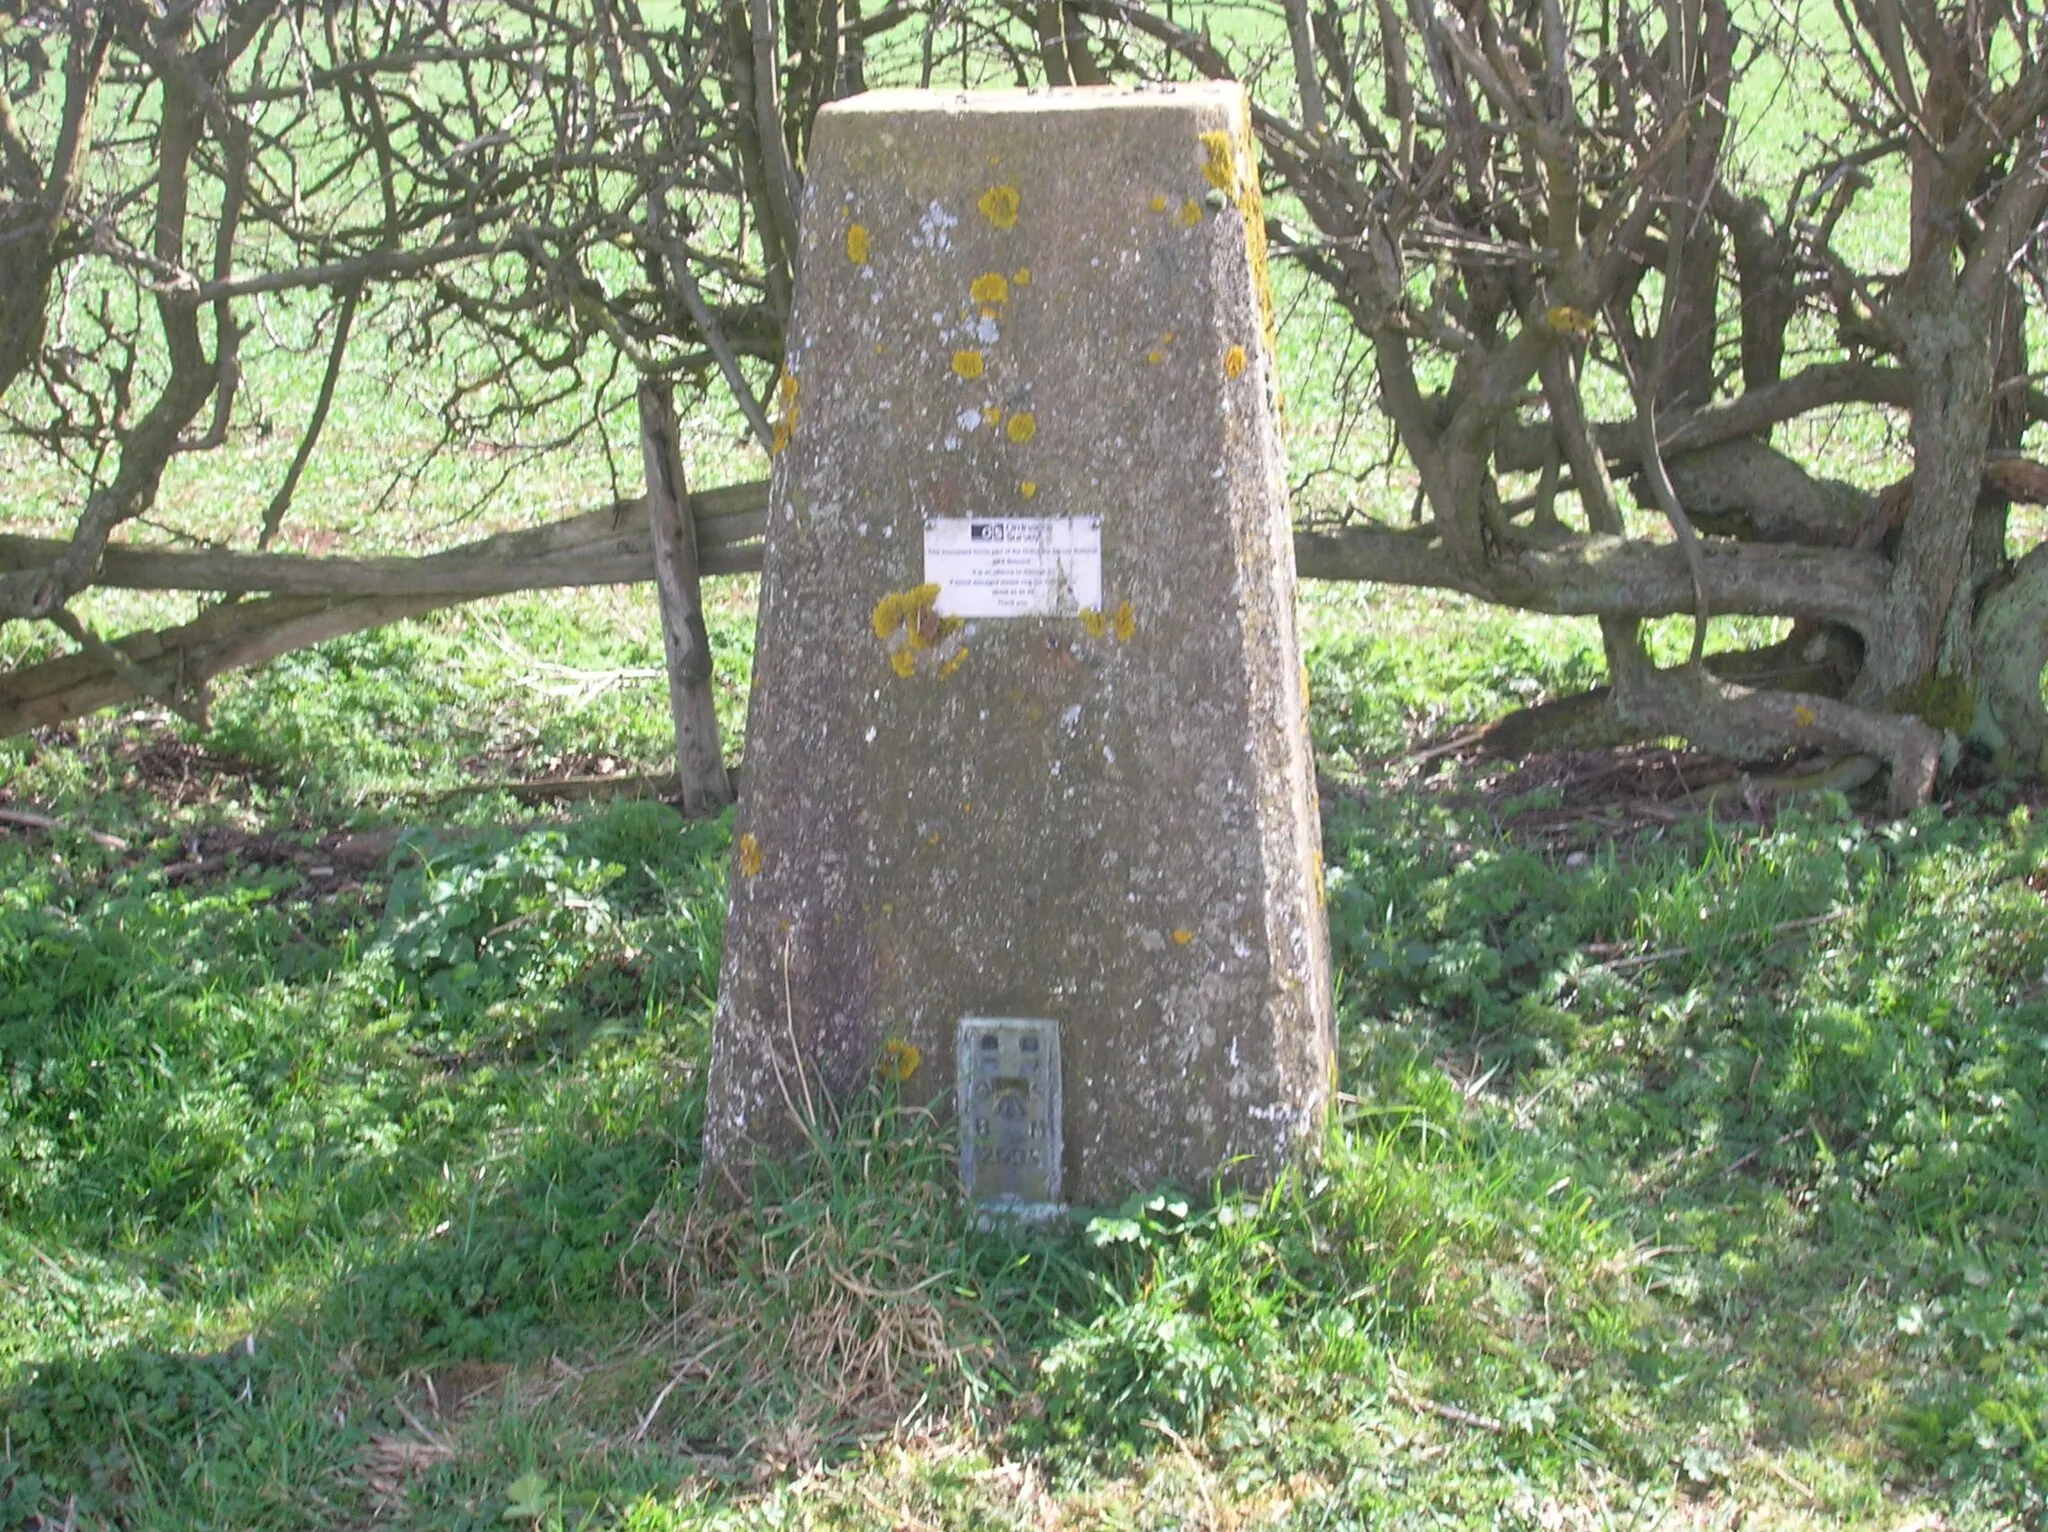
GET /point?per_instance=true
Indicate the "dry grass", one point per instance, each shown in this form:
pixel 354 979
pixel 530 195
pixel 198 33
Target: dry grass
pixel 838 1308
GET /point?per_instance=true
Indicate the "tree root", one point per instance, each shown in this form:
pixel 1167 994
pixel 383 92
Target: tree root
pixel 1588 720
pixel 1744 724
pixel 1843 774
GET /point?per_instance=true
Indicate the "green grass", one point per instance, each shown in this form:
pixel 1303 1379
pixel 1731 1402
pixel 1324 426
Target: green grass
pixel 336 1191
pixel 1685 1176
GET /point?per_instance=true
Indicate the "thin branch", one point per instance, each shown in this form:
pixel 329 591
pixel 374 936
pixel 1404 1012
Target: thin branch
pixel 273 514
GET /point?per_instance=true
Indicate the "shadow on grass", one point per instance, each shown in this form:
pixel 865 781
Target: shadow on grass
pixel 345 1393
pixel 586 1325
pixel 406 1153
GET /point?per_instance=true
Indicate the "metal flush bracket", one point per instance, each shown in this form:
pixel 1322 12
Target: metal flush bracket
pixel 1009 1073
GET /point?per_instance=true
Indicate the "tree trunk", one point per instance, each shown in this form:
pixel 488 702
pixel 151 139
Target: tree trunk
pixel 700 762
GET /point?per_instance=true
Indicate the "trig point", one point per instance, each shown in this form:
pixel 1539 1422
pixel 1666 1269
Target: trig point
pixel 1028 820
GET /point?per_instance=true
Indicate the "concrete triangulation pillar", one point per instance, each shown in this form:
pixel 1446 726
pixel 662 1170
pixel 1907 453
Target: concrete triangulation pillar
pixel 1028 735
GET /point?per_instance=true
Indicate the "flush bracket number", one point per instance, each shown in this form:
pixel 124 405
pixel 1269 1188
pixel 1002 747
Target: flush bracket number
pixel 1009 1074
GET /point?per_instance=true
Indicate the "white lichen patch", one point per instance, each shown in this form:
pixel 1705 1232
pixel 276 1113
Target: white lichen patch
pixel 934 229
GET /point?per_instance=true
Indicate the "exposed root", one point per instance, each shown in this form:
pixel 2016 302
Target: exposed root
pixel 1589 720
pixel 1746 725
pixel 1566 803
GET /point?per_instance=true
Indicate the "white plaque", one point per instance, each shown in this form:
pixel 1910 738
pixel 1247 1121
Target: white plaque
pixel 1014 566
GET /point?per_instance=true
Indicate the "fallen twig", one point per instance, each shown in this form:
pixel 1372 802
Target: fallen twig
pixel 1748 1159
pixel 46 822
pixel 1664 954
pixel 684 1369
pixel 1450 1412
pixel 1777 1472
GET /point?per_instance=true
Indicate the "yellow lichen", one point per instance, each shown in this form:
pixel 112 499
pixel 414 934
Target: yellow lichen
pixel 946 670
pixel 999 205
pixel 1567 320
pixel 1252 206
pixel 926 627
pixel 785 425
pixel 1028 489
pixel 1190 213
pixel 1158 203
pixel 1219 164
pixel 1803 716
pixel 857 244
pixel 888 614
pixel 912 610
pixel 904 663
pixel 991 414
pixel 1322 892
pixel 1022 427
pixel 1235 362
pixel 968 364
pixel 1021 277
pixel 898 1061
pixel 990 287
pixel 1125 623
pixel 1093 623
pixel 749 856
pixel 1183 936
pixel 1155 356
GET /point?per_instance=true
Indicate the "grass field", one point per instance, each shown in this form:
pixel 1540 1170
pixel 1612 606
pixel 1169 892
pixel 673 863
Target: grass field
pixel 1690 1171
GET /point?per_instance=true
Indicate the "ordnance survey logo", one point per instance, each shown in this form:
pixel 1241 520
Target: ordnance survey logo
pixel 1006 531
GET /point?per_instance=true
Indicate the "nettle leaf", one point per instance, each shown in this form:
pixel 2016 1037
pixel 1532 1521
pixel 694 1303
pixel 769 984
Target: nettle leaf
pixel 527 1499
